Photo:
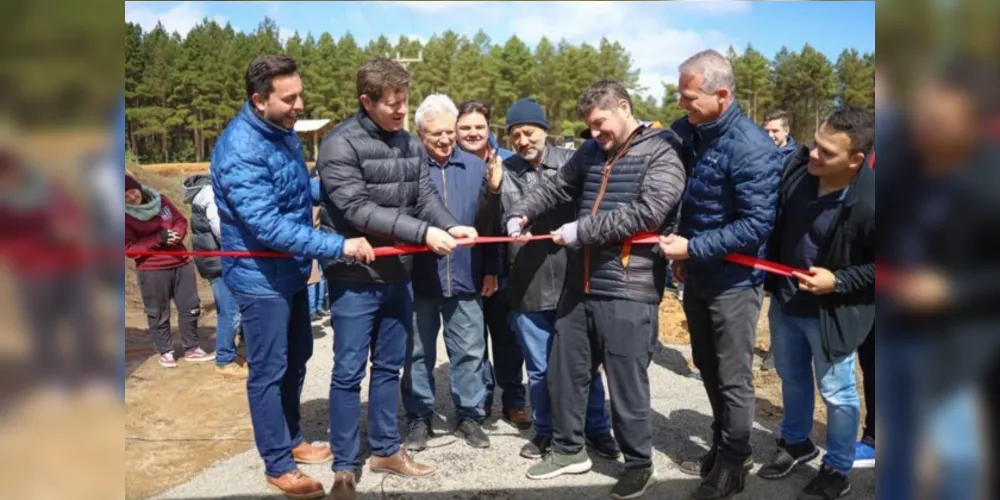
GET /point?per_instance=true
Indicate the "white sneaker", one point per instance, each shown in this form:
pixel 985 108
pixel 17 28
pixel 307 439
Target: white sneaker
pixel 167 360
pixel 197 355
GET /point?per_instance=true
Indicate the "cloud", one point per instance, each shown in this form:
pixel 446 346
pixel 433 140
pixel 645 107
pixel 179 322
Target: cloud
pixel 437 7
pixel 656 48
pixel 180 18
pixel 714 6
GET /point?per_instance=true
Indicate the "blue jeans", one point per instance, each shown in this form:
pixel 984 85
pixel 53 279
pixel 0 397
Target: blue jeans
pixel 369 322
pixel 463 338
pixel 279 343
pixel 227 323
pixel 535 331
pixel 507 368
pixel 318 297
pixel 797 348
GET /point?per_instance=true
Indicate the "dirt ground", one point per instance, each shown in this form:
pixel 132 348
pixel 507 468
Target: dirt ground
pixel 180 421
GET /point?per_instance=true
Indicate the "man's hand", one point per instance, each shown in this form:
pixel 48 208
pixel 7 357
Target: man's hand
pixel 172 238
pixel 494 173
pixel 924 290
pixel 679 269
pixel 360 250
pixel 515 228
pixel 674 247
pixel 490 285
pixel 819 281
pixel 439 241
pixel 567 235
pixel 463 232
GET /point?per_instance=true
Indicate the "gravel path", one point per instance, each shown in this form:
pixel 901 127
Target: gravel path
pixel 681 428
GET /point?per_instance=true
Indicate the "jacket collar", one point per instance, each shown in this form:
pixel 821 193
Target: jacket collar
pixel 372 128
pixel 520 166
pixel 266 128
pixel 709 132
pixel 456 160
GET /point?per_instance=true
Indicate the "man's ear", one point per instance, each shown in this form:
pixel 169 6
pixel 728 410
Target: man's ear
pixel 258 102
pixel 857 160
pixel 366 103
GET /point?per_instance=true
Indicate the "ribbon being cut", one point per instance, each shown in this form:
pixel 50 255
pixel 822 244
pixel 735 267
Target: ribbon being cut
pixel 640 239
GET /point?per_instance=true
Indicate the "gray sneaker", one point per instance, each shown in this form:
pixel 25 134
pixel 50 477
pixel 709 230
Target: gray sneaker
pixel 555 465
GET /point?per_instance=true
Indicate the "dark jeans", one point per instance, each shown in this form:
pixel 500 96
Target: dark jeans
pixel 723 328
pixel 279 343
pixel 370 322
pixel 536 331
pixel 318 297
pixel 463 322
pixel 51 302
pixel 227 322
pixel 620 335
pixel 507 368
pixel 158 289
pixel 866 358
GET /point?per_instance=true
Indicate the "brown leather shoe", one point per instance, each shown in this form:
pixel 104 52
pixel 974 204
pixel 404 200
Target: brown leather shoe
pixel 344 486
pixel 306 453
pixel 400 464
pixel 518 418
pixel 297 486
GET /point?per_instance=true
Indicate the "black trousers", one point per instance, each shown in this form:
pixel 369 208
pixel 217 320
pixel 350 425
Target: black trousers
pixel 507 368
pixel 621 335
pixel 723 327
pixel 866 358
pixel 158 289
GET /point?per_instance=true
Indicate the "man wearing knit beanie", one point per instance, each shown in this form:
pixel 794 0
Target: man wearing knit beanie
pixel 537 275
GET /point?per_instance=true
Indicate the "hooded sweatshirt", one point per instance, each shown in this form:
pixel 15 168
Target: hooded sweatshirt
pixel 146 230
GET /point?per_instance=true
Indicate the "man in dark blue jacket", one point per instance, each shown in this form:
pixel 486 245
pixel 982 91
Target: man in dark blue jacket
pixel 729 207
pixel 263 195
pixel 449 286
pixel 777 127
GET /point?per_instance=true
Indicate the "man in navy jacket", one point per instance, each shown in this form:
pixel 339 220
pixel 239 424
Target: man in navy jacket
pixel 734 172
pixel 449 286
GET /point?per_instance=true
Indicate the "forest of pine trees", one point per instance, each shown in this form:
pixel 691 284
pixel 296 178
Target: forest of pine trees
pixel 181 92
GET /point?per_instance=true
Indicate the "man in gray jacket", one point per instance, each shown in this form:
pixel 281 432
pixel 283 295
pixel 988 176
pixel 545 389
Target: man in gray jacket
pixel 625 181
pixel 537 273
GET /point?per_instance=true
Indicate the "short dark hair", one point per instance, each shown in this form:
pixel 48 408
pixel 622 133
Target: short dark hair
pixel 377 74
pixel 264 69
pixel 604 94
pixel 470 107
pixel 859 125
pixel 778 114
pixel 975 78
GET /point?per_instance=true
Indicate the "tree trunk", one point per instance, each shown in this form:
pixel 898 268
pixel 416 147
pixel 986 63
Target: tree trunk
pixel 163 142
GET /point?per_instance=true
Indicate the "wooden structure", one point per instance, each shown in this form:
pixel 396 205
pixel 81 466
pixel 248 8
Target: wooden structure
pixel 315 130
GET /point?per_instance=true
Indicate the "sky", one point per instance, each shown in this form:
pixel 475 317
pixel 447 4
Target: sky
pixel 658 35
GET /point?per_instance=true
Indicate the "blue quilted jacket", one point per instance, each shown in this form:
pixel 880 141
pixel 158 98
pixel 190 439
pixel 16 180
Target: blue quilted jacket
pixel 731 201
pixel 265 201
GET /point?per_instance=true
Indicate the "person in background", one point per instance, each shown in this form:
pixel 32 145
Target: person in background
pixel 819 318
pixel 152 222
pixel 449 288
pixel 777 127
pixel 375 183
pixel 729 206
pixel 507 370
pixel 319 296
pixel 537 275
pixel 206 235
pixel 262 190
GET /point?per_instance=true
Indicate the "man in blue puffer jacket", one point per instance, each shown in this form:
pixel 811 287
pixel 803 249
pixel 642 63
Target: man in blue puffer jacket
pixel 263 194
pixel 734 173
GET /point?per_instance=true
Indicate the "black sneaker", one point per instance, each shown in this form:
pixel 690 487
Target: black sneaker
pixel 703 466
pixel 787 458
pixel 632 484
pixel 605 446
pixel 472 432
pixel 768 363
pixel 420 432
pixel 828 485
pixel 537 448
pixel 722 483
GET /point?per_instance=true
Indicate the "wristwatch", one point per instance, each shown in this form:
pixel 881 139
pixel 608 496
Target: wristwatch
pixel 838 285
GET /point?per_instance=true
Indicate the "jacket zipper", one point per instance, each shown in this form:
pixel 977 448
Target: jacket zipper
pixel 605 177
pixel 447 259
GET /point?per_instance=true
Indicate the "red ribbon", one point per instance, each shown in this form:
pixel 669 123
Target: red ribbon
pixel 640 239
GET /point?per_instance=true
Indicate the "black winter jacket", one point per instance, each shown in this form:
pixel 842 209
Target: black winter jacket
pixel 375 186
pixel 846 318
pixel 536 271
pixel 636 190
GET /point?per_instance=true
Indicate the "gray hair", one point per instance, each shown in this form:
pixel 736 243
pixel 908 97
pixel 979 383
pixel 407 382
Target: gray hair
pixel 434 105
pixel 715 69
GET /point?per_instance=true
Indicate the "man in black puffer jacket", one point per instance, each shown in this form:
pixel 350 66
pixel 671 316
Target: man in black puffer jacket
pixel 627 180
pixel 373 184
